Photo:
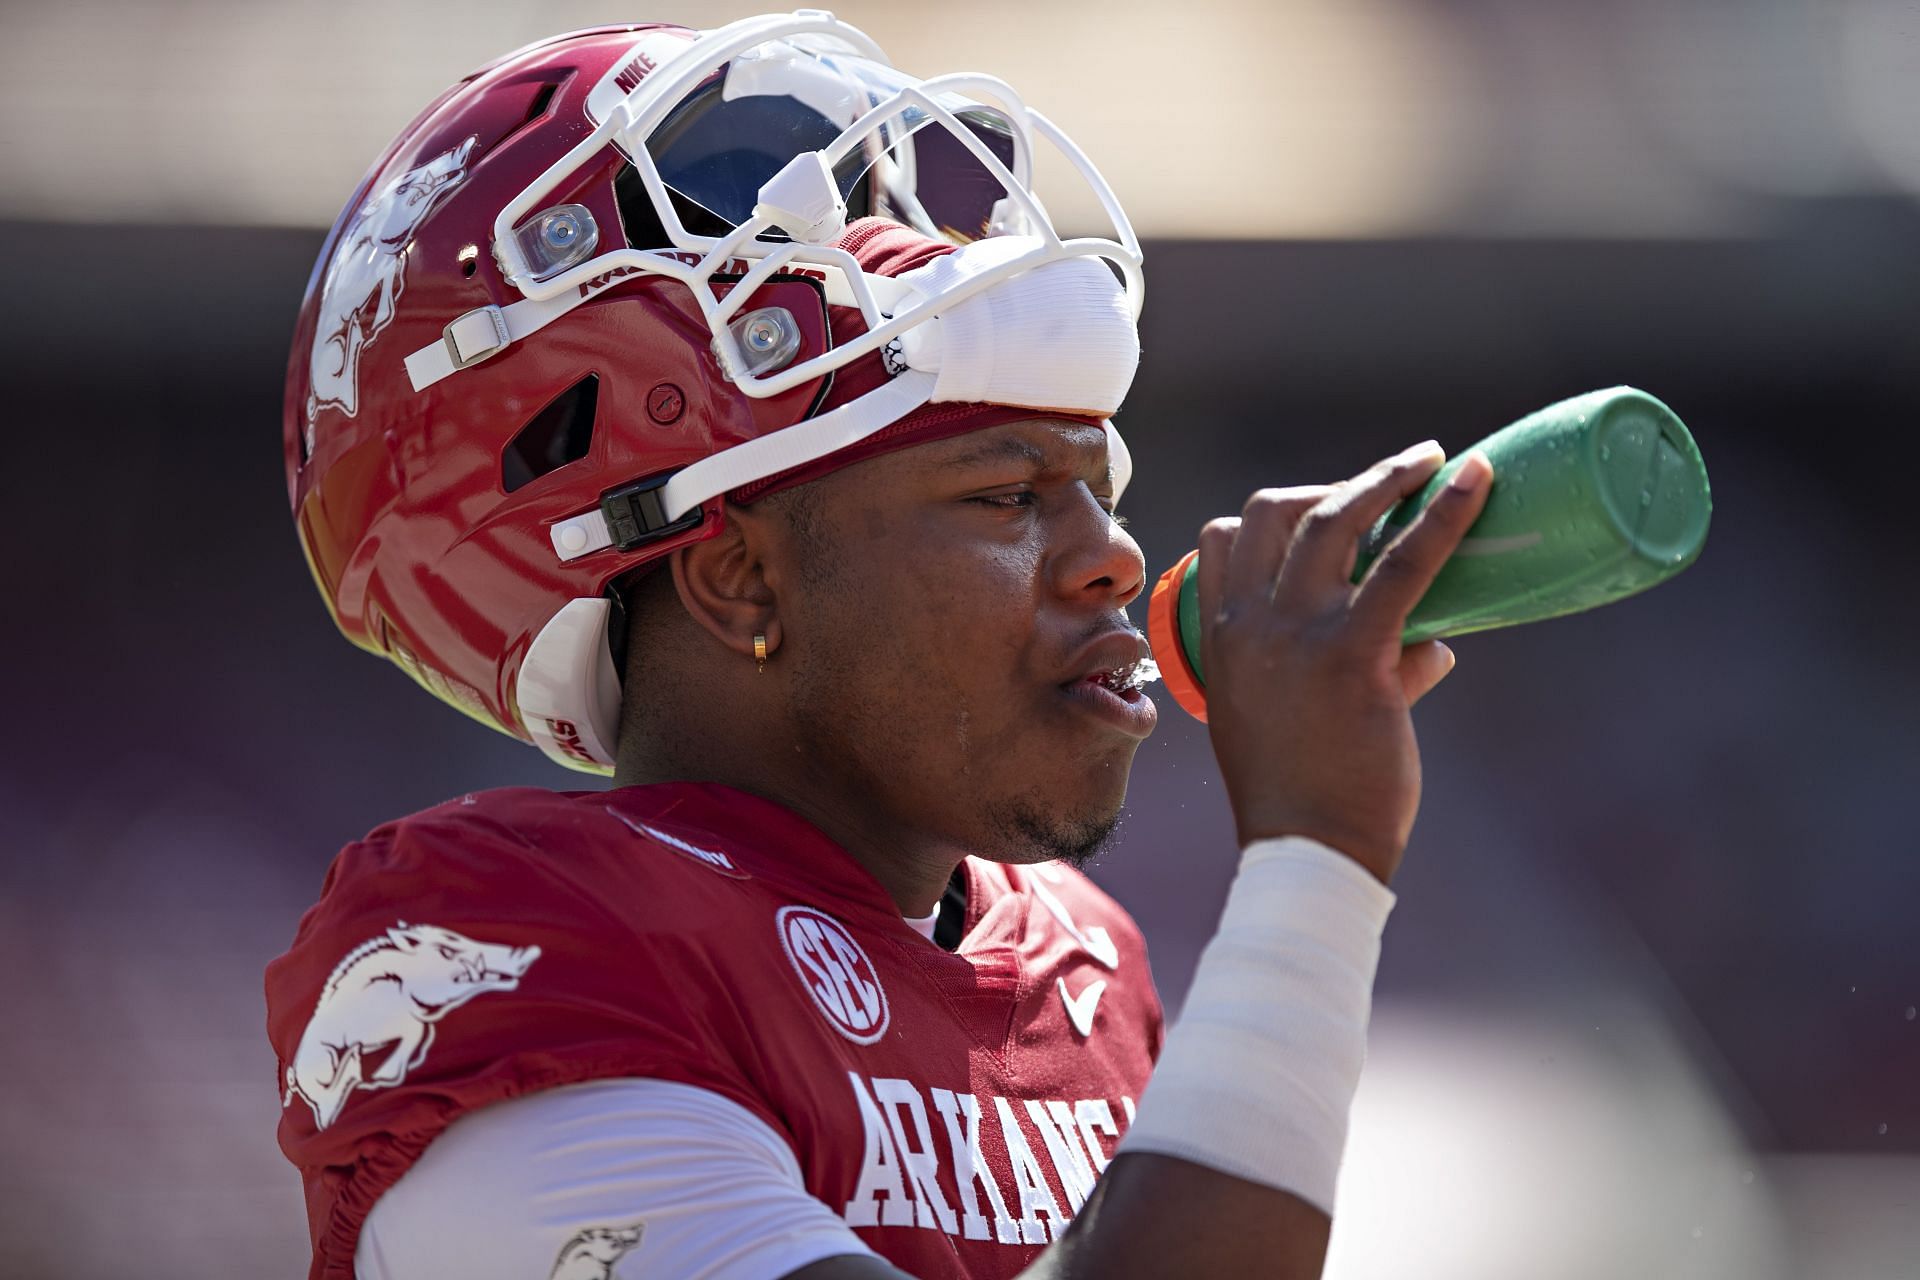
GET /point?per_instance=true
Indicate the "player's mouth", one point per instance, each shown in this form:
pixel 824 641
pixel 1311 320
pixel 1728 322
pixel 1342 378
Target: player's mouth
pixel 1112 672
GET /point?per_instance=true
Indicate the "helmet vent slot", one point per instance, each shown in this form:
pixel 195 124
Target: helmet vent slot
pixel 560 433
pixel 536 111
pixel 541 101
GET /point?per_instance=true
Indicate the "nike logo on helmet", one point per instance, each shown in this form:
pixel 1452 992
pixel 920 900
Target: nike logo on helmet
pixel 1080 1008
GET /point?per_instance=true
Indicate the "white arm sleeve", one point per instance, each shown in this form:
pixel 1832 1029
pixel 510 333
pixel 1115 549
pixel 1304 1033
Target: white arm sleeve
pixel 610 1180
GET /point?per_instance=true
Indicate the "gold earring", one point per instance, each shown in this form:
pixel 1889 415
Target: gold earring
pixel 760 651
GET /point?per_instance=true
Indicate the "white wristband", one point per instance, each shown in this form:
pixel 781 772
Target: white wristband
pixel 1257 1077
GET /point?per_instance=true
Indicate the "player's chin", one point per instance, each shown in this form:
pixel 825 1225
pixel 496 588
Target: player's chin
pixel 1042 825
pixel 1088 790
pixel 1087 770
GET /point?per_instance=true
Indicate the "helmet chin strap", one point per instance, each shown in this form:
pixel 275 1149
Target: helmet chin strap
pixel 569 693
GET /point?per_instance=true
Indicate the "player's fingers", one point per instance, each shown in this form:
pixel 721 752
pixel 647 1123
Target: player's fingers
pixel 1326 541
pixel 1404 571
pixel 1266 530
pixel 1422 666
pixel 1210 574
pixel 1216 543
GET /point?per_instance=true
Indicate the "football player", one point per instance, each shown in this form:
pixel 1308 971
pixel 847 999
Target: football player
pixel 721 411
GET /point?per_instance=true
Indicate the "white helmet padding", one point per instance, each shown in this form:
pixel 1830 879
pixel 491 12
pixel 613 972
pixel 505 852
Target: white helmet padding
pixel 1060 336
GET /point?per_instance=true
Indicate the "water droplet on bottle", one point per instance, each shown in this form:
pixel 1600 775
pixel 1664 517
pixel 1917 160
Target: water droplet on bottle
pixel 1606 453
pixel 1883 1128
pixel 1912 1013
pixel 1646 497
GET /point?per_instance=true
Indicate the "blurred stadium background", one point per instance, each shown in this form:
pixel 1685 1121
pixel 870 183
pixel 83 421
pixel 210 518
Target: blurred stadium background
pixel 1648 1003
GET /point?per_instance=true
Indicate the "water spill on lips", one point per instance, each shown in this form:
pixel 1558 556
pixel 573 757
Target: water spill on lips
pixel 1126 679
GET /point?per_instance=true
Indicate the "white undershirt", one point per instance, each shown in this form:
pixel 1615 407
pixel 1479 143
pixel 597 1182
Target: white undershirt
pixel 716 1193
pixel 923 925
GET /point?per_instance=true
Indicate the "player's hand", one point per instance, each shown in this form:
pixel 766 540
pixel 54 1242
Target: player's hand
pixel 1308 687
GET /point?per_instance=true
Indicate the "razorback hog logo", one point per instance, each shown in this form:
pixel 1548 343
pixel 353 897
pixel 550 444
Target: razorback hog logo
pixel 365 276
pixel 592 1254
pixel 835 971
pixel 390 991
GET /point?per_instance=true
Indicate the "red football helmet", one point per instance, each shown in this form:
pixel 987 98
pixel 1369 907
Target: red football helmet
pixel 607 281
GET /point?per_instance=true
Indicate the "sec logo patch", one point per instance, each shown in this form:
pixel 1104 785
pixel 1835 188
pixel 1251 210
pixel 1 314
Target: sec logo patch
pixel 843 983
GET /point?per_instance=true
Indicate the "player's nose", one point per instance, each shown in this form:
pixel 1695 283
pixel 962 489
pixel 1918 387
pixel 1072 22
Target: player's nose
pixel 1099 561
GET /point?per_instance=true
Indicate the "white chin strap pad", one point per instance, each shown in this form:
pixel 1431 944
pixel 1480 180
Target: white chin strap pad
pixel 1060 336
pixel 568 691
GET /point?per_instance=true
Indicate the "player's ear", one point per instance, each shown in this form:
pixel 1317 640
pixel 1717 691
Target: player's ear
pixel 722 583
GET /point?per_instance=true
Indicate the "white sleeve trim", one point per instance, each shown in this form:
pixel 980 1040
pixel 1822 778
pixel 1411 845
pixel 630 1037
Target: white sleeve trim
pixel 714 1193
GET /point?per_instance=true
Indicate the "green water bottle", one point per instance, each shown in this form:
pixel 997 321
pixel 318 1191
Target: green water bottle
pixel 1594 499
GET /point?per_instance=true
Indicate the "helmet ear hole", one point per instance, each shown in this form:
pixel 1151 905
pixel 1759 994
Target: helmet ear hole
pixel 560 433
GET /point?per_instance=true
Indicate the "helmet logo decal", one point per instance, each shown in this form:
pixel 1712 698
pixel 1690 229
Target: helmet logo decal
pixel 644 56
pixel 566 736
pixel 835 971
pixel 375 1017
pixel 628 78
pixel 365 276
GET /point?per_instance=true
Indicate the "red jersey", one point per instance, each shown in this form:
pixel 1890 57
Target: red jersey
pixel 954 1107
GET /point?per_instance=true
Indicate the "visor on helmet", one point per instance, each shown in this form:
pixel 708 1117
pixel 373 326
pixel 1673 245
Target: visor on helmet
pixel 741 126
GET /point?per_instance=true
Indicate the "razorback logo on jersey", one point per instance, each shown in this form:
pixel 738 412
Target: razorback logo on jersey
pixel 838 975
pixel 386 995
pixel 592 1254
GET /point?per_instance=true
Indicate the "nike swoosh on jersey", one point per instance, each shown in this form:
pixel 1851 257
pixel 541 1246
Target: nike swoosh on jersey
pixel 1080 1008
